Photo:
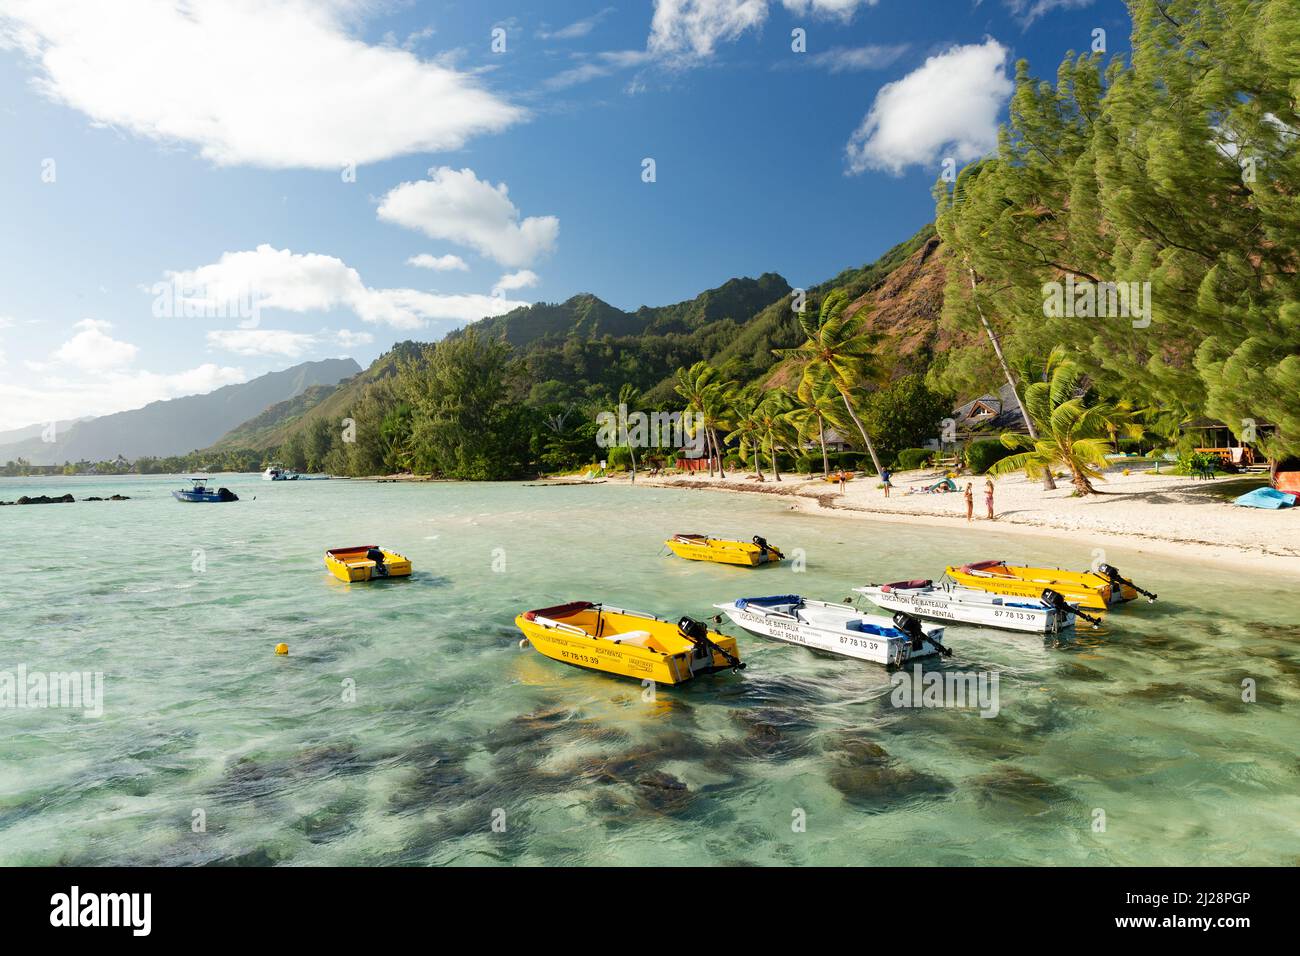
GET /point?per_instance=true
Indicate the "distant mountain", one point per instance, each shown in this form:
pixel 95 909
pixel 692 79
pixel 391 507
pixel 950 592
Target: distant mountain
pixel 272 428
pixel 178 425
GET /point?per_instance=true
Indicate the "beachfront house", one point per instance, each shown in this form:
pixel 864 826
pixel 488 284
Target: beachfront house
pixel 987 416
pixel 1216 438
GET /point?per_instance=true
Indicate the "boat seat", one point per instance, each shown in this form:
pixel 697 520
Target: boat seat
pixel 635 638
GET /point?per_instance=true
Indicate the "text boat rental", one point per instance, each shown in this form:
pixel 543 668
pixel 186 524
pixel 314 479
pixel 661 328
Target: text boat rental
pixel 700 547
pixel 366 563
pixel 1088 589
pixel 628 643
pixel 1046 614
pixel 837 628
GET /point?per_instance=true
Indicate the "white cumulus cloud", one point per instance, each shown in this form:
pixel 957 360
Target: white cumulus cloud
pixel 445 263
pixel 949 106
pixel 523 279
pixel 92 349
pixel 456 206
pixel 273 83
pixel 311 282
pixel 262 342
pixel 692 28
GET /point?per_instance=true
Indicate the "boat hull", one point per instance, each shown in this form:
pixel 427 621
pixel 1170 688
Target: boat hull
pixel 352 565
pixel 1028 616
pixel 574 640
pixel 1083 588
pixel 204 497
pixel 890 651
pixel 718 551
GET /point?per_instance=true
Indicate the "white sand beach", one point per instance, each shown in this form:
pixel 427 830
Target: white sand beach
pixel 1157 512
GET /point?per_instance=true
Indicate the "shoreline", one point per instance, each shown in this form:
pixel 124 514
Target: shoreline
pixel 1277 553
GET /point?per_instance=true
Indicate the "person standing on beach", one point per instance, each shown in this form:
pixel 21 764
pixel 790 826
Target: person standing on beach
pixel 884 477
pixel 841 479
pixel 988 496
pixel 970 501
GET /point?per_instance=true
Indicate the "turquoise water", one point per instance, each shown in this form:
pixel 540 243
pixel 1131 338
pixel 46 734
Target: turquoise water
pixel 454 727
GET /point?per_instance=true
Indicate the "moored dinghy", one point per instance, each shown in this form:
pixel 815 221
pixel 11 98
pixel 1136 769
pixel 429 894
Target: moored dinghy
pixel 837 628
pixel 601 637
pixel 1046 614
pixel 367 562
pixel 701 547
pixel 1088 589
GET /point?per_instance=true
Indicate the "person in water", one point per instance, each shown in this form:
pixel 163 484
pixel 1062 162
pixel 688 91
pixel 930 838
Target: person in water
pixel 970 501
pixel 988 496
pixel 885 475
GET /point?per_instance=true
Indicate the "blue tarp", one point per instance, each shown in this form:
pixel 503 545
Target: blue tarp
pixel 1266 498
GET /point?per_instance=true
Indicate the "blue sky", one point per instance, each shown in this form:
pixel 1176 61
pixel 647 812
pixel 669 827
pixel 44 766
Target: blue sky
pixel 277 166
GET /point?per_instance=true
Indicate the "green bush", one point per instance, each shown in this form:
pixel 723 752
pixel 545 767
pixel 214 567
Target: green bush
pixel 912 458
pixel 982 454
pixel 806 465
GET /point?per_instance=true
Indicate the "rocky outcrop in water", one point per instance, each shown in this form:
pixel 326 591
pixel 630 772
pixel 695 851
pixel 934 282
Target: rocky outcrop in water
pixel 61 500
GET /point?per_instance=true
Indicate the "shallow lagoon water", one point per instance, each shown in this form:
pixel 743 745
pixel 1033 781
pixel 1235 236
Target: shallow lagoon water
pixel 454 727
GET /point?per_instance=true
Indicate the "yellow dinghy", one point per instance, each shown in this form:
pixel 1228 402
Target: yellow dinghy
pixel 1089 589
pixel 366 563
pixel 629 643
pixel 700 547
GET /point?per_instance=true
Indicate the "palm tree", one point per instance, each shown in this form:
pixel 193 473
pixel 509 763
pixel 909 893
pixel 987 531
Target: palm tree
pixel 748 431
pixel 1071 431
pixel 839 351
pixel 628 396
pixel 716 402
pixel 774 427
pixel 693 385
pixel 816 404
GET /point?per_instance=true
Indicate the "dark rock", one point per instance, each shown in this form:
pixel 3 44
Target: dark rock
pixel 45 500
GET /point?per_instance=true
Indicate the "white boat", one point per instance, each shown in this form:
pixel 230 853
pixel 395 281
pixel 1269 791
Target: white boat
pixel 276 473
pixel 837 628
pixel 1047 614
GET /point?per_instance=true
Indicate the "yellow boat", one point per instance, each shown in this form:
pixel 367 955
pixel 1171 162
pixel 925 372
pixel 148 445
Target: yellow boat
pixel 700 547
pixel 366 563
pixel 848 476
pixel 1089 589
pixel 629 643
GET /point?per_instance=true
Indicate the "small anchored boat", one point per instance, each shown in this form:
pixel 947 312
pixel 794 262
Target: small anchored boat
pixel 366 563
pixel 1087 589
pixel 1046 614
pixel 202 494
pixel 837 628
pixel 601 637
pixel 279 473
pixel 700 547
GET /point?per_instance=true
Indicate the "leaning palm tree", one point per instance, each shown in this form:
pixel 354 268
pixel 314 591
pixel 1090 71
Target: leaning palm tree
pixel 693 385
pixel 716 403
pixel 835 348
pixel 748 431
pixel 1072 430
pixel 628 396
pixel 816 404
pixel 774 428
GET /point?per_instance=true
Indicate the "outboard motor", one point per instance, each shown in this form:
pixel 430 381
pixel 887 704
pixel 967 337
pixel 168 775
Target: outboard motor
pixel 767 548
pixel 1117 581
pixel 1057 602
pixel 912 628
pixel 698 633
pixel 225 494
pixel 377 556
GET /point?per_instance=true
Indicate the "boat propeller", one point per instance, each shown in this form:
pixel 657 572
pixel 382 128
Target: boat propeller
pixel 1116 580
pixel 913 629
pixel 767 548
pixel 1057 601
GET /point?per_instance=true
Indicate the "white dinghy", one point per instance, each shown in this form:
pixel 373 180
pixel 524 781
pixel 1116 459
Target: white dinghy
pixel 1046 614
pixel 837 628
